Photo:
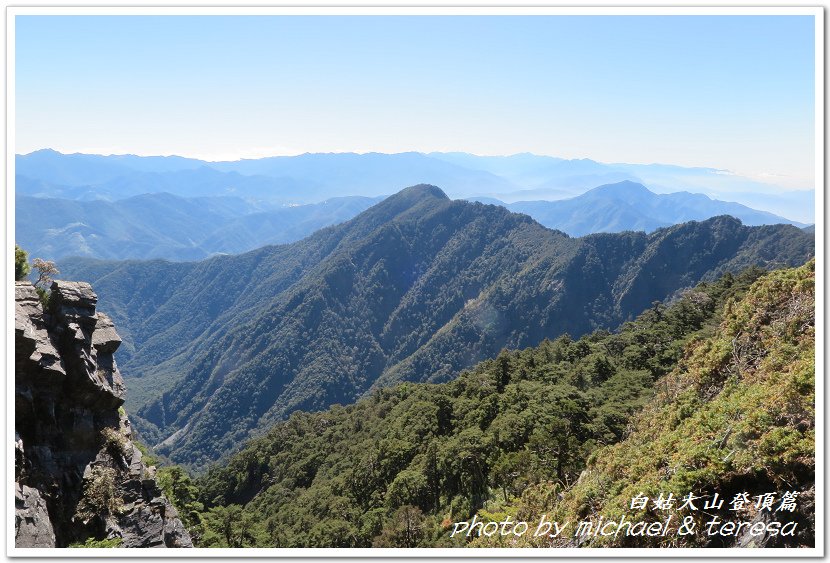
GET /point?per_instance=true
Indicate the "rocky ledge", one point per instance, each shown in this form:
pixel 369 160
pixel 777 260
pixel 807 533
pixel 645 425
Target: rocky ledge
pixel 78 475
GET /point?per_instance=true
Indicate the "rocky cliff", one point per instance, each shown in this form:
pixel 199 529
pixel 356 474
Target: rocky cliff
pixel 78 475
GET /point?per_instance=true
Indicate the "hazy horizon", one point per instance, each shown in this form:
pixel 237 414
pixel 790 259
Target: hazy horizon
pixel 184 154
pixel 614 89
pixel 362 153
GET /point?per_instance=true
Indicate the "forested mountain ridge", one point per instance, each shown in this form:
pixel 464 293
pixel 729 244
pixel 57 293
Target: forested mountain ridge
pixel 513 435
pixel 130 207
pixel 163 225
pixel 416 288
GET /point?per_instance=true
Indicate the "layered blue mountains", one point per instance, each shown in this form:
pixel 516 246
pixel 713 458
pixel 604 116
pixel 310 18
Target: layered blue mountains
pixel 131 207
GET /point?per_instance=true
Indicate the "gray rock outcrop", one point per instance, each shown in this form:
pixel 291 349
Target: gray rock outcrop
pixel 78 475
pixel 31 519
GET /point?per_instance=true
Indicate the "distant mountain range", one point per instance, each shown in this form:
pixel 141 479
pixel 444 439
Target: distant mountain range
pixel 415 288
pixel 307 178
pixel 550 178
pixel 162 225
pixel 312 178
pixel 628 206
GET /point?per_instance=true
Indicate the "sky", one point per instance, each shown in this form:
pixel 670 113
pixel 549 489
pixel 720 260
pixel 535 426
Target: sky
pixel 730 92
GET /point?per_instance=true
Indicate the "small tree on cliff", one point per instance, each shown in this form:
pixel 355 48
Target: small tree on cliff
pixel 45 270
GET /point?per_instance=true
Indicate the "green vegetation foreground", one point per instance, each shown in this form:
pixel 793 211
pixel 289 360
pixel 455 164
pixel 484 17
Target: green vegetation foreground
pixel 733 408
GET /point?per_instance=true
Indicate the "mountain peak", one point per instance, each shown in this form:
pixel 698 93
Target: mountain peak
pixel 624 188
pixel 422 191
pixel 43 152
pixel 417 199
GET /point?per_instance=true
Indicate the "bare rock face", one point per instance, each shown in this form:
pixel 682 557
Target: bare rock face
pixel 31 519
pixel 78 474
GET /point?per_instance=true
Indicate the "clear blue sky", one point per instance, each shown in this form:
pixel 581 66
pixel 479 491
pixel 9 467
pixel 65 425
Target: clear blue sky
pixel 731 92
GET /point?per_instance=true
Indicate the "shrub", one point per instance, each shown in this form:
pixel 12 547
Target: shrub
pixel 117 445
pixel 21 264
pixel 92 542
pixel 99 496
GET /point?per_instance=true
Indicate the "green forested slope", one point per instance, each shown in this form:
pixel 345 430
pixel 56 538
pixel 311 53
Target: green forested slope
pixel 416 288
pixel 433 454
pixel 713 394
pixel 736 416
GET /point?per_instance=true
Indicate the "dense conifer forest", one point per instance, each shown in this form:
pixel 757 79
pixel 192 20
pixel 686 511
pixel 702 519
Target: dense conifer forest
pixel 417 288
pixel 728 363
